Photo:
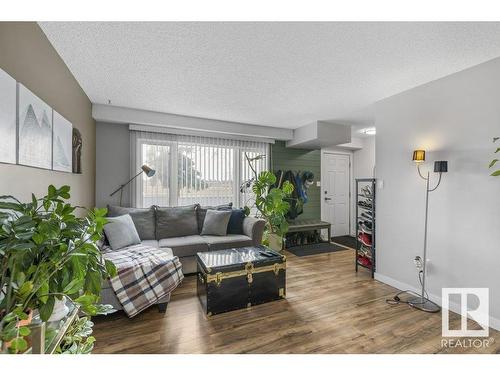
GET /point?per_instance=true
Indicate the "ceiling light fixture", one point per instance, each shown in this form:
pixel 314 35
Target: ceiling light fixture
pixel 369 131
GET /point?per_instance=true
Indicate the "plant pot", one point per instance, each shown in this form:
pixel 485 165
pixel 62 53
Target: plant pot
pixel 275 242
pixel 27 321
pixel 60 310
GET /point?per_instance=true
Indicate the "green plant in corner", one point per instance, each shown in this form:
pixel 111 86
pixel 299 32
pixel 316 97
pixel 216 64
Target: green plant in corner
pixel 494 161
pixel 46 253
pixel 270 201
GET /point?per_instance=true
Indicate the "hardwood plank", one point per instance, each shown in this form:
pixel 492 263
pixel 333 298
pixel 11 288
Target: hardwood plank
pixel 329 309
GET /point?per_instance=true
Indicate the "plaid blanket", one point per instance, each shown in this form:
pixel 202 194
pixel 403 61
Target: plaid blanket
pixel 145 274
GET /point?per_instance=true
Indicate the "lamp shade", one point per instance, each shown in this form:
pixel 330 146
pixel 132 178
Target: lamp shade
pixel 441 166
pixel 149 172
pixel 419 156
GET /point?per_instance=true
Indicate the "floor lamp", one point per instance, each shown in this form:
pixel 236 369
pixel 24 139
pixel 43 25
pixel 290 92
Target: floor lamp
pixel 421 302
pixel 144 169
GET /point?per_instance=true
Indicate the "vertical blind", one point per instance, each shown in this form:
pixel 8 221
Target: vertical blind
pixel 193 169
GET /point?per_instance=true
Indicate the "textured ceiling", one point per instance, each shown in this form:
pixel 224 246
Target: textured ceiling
pixel 276 74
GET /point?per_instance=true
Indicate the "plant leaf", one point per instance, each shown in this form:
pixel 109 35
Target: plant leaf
pixel 110 268
pixel 493 162
pixel 47 308
pixel 18 345
pixel 496 173
pixel 74 286
pixel 24 331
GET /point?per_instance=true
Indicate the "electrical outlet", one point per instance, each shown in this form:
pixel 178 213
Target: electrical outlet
pixel 418 262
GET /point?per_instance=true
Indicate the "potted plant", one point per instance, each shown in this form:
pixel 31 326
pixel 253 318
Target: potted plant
pixel 494 161
pixel 271 203
pixel 47 253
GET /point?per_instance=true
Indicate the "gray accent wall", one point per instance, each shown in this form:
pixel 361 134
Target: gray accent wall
pixel 28 56
pixel 112 162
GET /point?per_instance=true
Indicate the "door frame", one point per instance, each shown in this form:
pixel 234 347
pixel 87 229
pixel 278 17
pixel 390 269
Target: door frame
pixel 351 184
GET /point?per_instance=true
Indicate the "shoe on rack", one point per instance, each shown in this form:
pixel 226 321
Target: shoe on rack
pixel 365 238
pixel 365 228
pixel 364 261
pixel 367 191
pixel 367 215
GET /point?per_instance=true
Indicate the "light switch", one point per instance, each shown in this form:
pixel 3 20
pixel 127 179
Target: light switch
pixel 380 184
pixel 318 183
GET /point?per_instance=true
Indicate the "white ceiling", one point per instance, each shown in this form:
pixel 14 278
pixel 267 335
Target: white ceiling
pixel 274 74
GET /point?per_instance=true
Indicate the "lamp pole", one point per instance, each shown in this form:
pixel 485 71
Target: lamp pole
pixel 422 302
pixel 144 169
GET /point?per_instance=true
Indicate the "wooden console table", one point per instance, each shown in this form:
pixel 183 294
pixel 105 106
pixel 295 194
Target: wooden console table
pixel 309 224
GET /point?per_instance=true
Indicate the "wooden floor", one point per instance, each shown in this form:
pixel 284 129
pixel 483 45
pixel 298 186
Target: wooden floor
pixel 329 309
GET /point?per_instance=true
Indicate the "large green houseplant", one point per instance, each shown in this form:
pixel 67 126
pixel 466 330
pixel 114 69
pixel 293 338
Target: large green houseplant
pixel 47 252
pixel 494 161
pixel 270 201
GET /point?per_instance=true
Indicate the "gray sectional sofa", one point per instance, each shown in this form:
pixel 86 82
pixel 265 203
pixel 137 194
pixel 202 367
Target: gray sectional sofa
pixel 178 229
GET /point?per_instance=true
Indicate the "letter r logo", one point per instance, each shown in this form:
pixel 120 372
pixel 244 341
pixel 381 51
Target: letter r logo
pixel 478 313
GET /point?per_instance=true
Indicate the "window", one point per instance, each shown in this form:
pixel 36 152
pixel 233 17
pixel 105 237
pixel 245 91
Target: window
pixel 191 169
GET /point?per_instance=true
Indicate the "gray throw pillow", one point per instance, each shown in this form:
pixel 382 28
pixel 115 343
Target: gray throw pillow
pixel 202 211
pixel 143 218
pixel 176 221
pixel 215 223
pixel 120 232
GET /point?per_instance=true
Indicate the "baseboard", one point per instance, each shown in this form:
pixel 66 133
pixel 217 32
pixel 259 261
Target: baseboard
pixel 494 322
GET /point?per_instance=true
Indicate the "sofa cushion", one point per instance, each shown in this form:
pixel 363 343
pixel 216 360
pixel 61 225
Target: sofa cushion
pixel 152 243
pixel 185 246
pixel 227 242
pixel 143 218
pixel 202 211
pixel 120 232
pixel 216 222
pixel 176 221
pixel 235 225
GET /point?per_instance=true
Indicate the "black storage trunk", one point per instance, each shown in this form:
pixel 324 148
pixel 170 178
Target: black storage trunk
pixel 237 278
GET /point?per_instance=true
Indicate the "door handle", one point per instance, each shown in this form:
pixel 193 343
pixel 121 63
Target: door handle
pixel 328 199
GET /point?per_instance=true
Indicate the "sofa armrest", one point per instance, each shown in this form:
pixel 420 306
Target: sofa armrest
pixel 254 228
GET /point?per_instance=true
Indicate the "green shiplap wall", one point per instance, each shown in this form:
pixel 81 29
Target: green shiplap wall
pixel 300 160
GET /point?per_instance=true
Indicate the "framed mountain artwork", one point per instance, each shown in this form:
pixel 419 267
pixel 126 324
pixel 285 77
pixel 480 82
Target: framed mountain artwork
pixel 7 118
pixel 62 144
pixel 34 130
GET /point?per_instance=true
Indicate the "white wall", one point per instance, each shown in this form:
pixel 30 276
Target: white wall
pixel 364 159
pixel 454 118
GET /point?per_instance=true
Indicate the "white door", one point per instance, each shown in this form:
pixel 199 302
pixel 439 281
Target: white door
pixel 335 192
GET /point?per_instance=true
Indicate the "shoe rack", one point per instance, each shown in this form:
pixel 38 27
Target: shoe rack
pixel 365 224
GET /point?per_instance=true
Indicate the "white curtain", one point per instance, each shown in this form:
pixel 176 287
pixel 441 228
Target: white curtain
pixel 192 169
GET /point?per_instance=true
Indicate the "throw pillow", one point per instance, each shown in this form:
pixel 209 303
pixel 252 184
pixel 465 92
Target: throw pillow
pixel 143 218
pixel 235 225
pixel 215 223
pixel 120 232
pixel 176 221
pixel 202 211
